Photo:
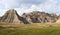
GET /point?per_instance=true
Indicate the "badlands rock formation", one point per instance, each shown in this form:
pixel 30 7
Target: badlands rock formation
pixel 11 16
pixel 40 17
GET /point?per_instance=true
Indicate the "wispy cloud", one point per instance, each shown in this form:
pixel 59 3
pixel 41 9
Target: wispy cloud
pixel 50 6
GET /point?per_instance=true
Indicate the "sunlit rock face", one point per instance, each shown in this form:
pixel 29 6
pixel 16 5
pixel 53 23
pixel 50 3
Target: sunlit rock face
pixel 11 16
pixel 58 21
pixel 40 17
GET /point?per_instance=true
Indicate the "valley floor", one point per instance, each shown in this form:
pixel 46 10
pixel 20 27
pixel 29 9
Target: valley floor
pixel 30 29
pixel 28 26
pixel 33 31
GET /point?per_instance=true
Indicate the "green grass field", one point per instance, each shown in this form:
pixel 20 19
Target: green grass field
pixel 41 31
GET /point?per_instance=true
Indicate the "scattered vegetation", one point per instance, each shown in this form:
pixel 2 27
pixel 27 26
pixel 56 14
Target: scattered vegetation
pixel 30 29
pixel 41 31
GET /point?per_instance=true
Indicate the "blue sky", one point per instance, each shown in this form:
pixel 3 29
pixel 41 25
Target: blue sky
pixel 49 6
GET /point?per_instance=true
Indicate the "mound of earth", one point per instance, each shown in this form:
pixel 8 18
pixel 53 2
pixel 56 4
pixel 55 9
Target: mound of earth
pixel 11 16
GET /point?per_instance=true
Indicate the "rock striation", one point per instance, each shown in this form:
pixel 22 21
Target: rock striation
pixel 11 16
pixel 40 17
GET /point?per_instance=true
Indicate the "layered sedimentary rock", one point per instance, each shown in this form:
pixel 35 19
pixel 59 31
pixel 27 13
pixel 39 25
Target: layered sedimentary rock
pixel 38 17
pixel 11 16
pixel 58 21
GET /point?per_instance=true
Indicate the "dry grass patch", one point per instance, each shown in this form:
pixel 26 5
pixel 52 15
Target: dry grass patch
pixel 28 26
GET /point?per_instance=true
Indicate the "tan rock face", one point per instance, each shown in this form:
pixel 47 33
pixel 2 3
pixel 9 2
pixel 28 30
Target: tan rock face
pixel 58 21
pixel 38 17
pixel 11 16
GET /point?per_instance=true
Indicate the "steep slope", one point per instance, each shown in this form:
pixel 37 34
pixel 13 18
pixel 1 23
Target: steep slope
pixel 38 17
pixel 10 16
pixel 58 21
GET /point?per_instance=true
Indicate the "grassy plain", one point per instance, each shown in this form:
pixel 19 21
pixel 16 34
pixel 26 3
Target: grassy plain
pixel 30 29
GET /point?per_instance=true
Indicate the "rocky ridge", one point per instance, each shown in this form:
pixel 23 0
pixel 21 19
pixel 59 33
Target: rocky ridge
pixel 11 16
pixel 40 17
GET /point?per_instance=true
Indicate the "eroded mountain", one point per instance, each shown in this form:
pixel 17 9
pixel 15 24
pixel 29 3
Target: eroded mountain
pixel 11 16
pixel 40 17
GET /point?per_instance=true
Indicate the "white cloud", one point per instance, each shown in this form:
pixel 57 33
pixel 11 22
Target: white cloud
pixel 10 3
pixel 2 12
pixel 50 6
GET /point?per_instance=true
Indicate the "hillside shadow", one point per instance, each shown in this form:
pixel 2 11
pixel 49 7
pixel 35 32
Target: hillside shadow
pixel 22 19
